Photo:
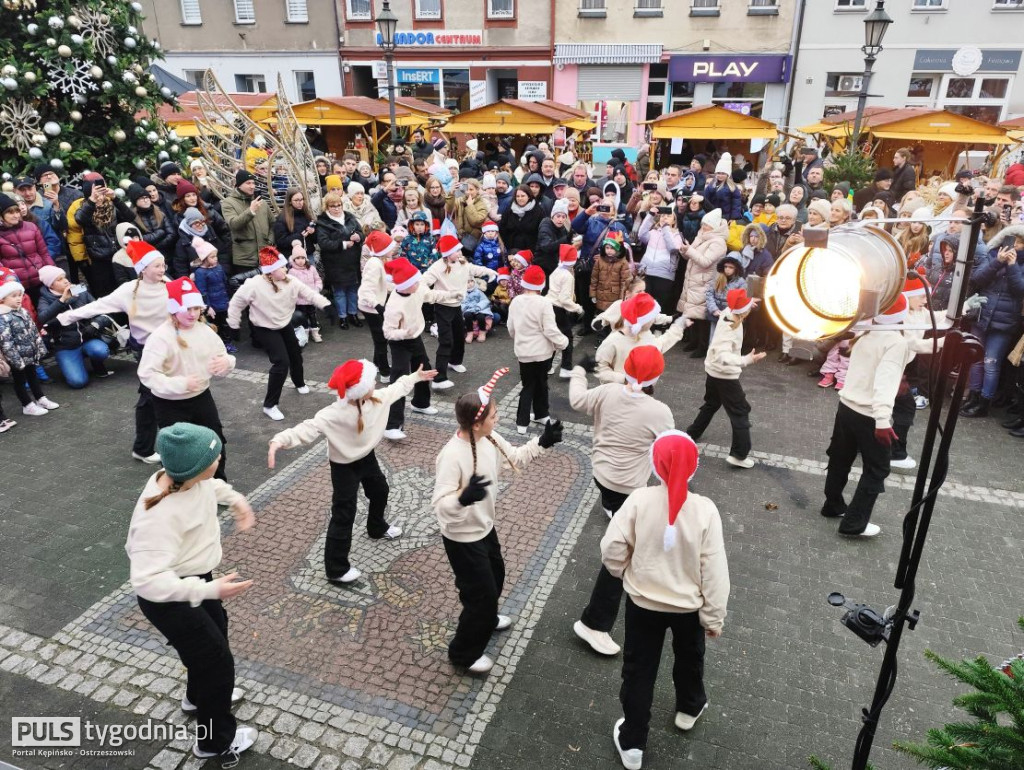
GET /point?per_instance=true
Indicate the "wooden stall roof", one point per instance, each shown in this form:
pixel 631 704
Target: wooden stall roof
pixel 509 116
pixel 912 124
pixel 711 122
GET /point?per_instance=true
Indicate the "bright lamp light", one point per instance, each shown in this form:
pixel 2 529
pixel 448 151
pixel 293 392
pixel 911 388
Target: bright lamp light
pixel 815 293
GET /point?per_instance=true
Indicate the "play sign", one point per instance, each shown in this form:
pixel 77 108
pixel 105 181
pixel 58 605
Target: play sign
pixel 728 68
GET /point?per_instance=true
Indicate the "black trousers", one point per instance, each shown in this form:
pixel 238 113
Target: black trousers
pixel 641 655
pixel 583 291
pixel 406 357
pixel 853 434
pixel 534 395
pixel 223 330
pixel 564 322
pixel 603 608
pixel 451 339
pixel 346 479
pixel 661 290
pixel 729 394
pixel 479 576
pixel 145 415
pixel 26 380
pixel 101 279
pixel 200 637
pixel 198 410
pixel 904 409
pixel 380 344
pixel 480 319
pixel 309 317
pixel 285 356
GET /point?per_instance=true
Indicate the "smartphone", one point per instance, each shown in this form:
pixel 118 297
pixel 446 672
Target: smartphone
pixel 403 182
pixel 650 185
pixel 76 289
pixel 665 209
pixel 603 208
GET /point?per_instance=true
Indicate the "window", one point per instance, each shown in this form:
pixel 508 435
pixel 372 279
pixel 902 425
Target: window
pixel 704 8
pixel 190 13
pixel 745 98
pixel 850 5
pixel 245 13
pixel 358 10
pixel 501 9
pixel 682 96
pixel 305 84
pixel 763 8
pixel 929 5
pixel 195 77
pixel 842 83
pixel 428 9
pixel 982 97
pixel 921 86
pixel 1008 5
pixel 296 11
pixel 657 87
pixel 612 119
pixel 648 5
pixel 250 84
pixel 592 5
pixel 456 90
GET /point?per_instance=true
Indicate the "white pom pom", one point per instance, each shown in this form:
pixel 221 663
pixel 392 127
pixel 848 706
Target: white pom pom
pixel 669 541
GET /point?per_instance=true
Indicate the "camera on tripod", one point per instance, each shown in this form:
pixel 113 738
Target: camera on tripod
pixel 862 620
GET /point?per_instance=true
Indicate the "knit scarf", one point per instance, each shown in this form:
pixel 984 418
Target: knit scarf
pixel 520 210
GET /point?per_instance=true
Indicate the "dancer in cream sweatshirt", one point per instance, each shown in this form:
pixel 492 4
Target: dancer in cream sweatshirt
pixel 562 293
pixel 638 314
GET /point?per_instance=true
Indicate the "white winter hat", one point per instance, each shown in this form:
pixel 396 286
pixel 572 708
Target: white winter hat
pixel 560 207
pixel 354 187
pixel 712 219
pixel 724 165
pixel 50 273
pixel 490 181
pixel 471 145
pixel 949 189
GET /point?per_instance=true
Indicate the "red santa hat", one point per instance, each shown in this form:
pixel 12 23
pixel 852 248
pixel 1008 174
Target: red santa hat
pixel 379 243
pixel 448 245
pixel 638 311
pixel 674 459
pixel 914 287
pixel 271 259
pixel 435 226
pixel 402 273
pixel 183 294
pixel 503 274
pixel 644 365
pixel 524 257
pixel 489 227
pixel 896 313
pixel 353 379
pixel 533 279
pixel 485 391
pixel 142 255
pixel 739 301
pixel 567 255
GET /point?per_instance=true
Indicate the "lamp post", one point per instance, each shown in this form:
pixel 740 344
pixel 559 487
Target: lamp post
pixel 875 25
pixel 387 23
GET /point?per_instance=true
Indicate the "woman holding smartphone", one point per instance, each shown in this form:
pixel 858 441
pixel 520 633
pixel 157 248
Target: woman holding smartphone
pixel 659 234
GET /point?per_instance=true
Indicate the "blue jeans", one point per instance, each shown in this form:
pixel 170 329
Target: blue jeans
pixel 985 375
pixel 345 300
pixel 72 362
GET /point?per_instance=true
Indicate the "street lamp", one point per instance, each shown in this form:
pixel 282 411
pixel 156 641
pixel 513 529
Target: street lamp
pixel 387 23
pixel 875 25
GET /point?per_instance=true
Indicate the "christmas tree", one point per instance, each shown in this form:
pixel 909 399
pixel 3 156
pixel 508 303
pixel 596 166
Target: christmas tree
pixel 74 74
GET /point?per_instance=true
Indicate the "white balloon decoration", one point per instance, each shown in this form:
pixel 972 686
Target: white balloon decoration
pixel 172 135
pixel 137 7
pixel 35 153
pixel 124 184
pixel 129 42
pixel 162 156
pixel 140 164
pixel 119 136
pixel 77 39
pixel 51 42
pixel 129 77
pixel 96 72
pixel 161 143
pixel 9 83
pixel 57 163
pixel 6 177
pixel 166 92
pixel 111 60
pixel 75 22
pixel 9 70
pixel 56 22
pixel 141 92
pixel 29 77
pixel 175 149
pixel 52 128
pixel 106 85
pixel 32 29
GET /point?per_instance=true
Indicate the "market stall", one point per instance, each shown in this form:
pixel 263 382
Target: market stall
pixel 729 130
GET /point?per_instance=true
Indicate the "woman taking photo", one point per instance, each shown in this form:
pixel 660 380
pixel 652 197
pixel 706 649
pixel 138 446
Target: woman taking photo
pixel 661 258
pixel 189 197
pixel 470 213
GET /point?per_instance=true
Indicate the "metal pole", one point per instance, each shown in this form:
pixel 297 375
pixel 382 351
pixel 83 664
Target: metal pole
pixel 389 59
pixel 862 99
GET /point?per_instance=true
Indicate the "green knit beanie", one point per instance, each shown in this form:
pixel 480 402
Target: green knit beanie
pixel 186 450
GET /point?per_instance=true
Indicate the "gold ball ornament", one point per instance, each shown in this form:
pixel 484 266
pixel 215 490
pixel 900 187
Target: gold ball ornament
pixel 65 51
pixel 141 92
pixel 75 115
pixel 29 77
pixel 64 146
pixel 119 136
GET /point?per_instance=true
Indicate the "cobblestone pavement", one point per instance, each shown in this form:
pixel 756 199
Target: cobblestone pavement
pixel 358 678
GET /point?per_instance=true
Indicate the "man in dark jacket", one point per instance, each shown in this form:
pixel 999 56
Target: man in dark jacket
pixel 60 198
pixel 904 178
pixel 503 191
pixel 98 217
pixel 552 233
pixel 388 198
pixel 420 147
pixel 580 180
pixel 166 182
pixel 864 196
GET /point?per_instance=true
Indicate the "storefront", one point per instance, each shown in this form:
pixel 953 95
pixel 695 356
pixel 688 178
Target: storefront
pixel 967 81
pixel 751 84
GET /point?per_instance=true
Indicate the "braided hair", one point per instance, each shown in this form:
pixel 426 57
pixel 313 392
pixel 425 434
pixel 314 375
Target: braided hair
pixel 466 409
pixel 174 487
pixel 359 408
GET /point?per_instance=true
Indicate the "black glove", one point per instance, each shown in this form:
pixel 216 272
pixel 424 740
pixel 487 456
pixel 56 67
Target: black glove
pixel 552 434
pixel 475 491
pixel 588 362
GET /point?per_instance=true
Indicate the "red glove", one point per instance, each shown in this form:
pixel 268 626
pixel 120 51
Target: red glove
pixel 885 436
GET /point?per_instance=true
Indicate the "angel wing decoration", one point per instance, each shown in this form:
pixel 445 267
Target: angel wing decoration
pixel 292 135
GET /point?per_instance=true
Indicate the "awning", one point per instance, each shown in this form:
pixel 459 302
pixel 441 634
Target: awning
pixel 1014 128
pixel 343 111
pixel 515 116
pixel 612 53
pixel 420 113
pixel 915 124
pixel 166 79
pixel 710 122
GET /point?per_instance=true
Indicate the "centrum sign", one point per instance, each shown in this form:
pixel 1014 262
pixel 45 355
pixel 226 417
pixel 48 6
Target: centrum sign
pixel 450 38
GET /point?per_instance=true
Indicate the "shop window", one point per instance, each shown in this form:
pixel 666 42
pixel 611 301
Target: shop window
pixel 501 9
pixel 982 98
pixel 745 98
pixel 993 88
pixel 657 87
pixel 612 119
pixel 428 9
pixel 305 84
pixel 456 90
pixel 987 113
pixel 358 10
pixel 250 84
pixel 842 83
pixel 245 12
pixel 850 5
pixel 190 12
pixel 921 86
pixel 682 96
pixel 959 88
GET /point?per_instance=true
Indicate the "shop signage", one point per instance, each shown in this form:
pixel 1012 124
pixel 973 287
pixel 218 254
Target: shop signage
pixel 727 68
pixel 418 76
pixel 477 93
pixel 380 70
pixel 452 38
pixel 533 90
pixel 942 60
pixel 743 108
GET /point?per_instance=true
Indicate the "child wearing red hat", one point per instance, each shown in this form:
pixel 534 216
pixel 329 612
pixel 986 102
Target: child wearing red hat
pixel 518 263
pixel 722 388
pixel 637 315
pixel 627 419
pixel 536 337
pixel 373 294
pixel 353 426
pixel 666 545
pixel 403 325
pixel 562 293
pixel 180 358
pixel 451 274
pixel 271 298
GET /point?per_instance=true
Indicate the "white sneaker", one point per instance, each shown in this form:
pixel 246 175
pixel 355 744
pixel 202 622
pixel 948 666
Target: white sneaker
pixel 190 708
pixel 521 430
pixel 565 374
pixel 746 462
pixel 314 334
pixel 600 642
pixel 47 403
pixel 385 379
pixel 424 409
pixel 442 385
pixel 349 577
pixel 433 330
pixel 395 434
pixel 920 402
pixel 34 410
pixel 686 722
pixel 153 459
pixel 632 759
pixel 245 737
pixel 393 533
pixel 273 413
pixel 481 665
pixel 542 420
pixel 303 391
pixel 504 621
pixel 457 368
pixel 869 531
pixel 907 463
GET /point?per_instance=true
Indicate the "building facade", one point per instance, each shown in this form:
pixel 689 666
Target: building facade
pixel 247 43
pixel 925 61
pixel 669 56
pixel 457 54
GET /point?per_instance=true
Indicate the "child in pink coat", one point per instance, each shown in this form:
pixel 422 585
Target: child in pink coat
pixel 300 269
pixel 833 371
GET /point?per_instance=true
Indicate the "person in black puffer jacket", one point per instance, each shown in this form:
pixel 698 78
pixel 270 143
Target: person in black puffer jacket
pixel 75 342
pixel 521 222
pixel 940 275
pixel 553 233
pixel 340 237
pixel 689 213
pixel 157 229
pixel 99 214
pixel 192 225
pixel 295 223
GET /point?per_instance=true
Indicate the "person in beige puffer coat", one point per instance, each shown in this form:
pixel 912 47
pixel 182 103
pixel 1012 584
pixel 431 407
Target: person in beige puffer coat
pixel 702 256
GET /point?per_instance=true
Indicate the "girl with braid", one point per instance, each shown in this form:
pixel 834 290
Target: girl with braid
pixel 463 500
pixel 145 302
pixel 354 426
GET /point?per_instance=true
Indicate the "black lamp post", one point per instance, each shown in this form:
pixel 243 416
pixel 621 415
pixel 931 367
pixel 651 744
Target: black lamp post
pixel 387 23
pixel 875 25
